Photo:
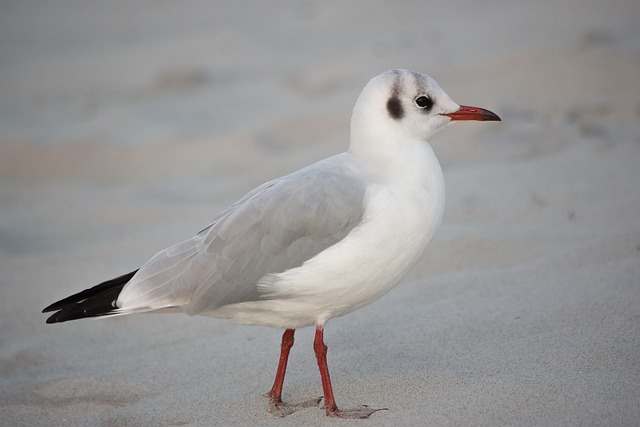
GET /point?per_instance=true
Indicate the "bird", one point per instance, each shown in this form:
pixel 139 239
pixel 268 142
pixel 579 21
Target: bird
pixel 313 245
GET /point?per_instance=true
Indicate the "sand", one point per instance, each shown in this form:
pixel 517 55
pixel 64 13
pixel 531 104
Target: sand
pixel 126 126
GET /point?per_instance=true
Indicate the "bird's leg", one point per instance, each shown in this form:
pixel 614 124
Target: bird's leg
pixel 276 405
pixel 287 342
pixel 329 401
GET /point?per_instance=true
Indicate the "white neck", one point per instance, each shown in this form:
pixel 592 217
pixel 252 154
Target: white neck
pixel 391 158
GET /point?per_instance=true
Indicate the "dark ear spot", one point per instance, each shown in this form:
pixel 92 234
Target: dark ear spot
pixel 394 107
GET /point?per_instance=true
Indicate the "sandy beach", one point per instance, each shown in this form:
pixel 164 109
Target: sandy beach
pixel 126 126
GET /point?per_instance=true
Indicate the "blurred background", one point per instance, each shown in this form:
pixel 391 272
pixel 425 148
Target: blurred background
pixel 125 126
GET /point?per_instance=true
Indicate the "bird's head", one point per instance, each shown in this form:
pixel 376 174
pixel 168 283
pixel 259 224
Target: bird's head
pixel 409 105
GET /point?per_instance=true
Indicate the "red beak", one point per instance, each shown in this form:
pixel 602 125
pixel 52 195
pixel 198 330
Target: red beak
pixel 473 113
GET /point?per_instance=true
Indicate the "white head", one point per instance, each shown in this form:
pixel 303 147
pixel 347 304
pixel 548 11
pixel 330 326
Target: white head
pixel 406 105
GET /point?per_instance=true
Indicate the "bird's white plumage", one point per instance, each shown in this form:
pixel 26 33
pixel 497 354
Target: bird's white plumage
pixel 323 241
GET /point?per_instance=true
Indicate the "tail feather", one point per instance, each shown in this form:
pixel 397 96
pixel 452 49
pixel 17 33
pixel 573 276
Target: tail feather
pixel 92 302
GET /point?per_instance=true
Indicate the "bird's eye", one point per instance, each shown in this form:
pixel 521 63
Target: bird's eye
pixel 424 102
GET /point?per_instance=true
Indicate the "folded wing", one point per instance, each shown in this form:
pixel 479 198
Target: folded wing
pixel 277 226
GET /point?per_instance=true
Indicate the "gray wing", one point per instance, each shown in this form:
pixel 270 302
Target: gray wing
pixel 275 227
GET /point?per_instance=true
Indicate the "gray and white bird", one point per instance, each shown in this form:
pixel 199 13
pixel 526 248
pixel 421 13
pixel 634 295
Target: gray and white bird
pixel 313 245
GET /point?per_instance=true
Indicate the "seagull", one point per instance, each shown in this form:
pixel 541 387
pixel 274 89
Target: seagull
pixel 317 244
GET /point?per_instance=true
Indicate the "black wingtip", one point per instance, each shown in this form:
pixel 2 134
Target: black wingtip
pixel 49 308
pixel 52 319
pixel 92 302
pixel 78 312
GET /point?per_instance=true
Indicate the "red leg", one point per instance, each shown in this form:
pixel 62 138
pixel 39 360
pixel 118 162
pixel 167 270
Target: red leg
pixel 287 342
pixel 321 354
pixel 329 401
pixel 276 405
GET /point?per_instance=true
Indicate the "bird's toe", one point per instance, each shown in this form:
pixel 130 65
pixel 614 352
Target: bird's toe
pixel 282 409
pixel 362 412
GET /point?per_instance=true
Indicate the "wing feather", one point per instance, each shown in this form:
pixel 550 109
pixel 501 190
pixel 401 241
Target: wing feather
pixel 275 227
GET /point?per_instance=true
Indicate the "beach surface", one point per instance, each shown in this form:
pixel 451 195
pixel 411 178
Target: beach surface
pixel 126 126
